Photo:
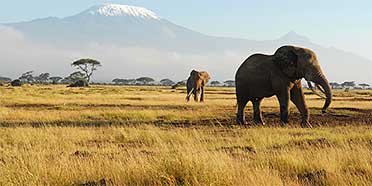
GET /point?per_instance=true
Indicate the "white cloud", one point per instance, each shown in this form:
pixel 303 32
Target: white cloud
pixel 18 55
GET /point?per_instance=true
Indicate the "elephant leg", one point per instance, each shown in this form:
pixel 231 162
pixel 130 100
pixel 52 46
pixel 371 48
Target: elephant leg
pixel 188 98
pixel 257 115
pixel 284 109
pixel 202 94
pixel 196 95
pixel 240 117
pixel 189 92
pixel 297 97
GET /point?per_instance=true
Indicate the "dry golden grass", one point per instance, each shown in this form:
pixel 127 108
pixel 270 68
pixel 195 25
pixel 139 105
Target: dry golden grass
pixel 52 135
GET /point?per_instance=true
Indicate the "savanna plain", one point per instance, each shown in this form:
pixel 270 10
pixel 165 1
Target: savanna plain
pixel 116 135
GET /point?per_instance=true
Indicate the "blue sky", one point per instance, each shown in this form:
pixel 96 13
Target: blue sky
pixel 343 24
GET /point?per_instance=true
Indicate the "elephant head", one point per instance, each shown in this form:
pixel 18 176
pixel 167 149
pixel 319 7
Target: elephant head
pixel 298 63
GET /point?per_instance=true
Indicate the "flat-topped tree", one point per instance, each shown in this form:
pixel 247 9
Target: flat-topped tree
pixel 348 84
pixel 364 85
pixel 215 83
pixel 75 76
pixel 42 78
pixel 27 77
pixel 87 66
pixel 55 79
pixel 230 83
pixel 167 82
pixel 145 80
pixel 334 85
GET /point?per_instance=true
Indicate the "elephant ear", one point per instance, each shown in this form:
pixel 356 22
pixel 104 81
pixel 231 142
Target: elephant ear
pixel 286 58
pixel 204 75
pixel 207 77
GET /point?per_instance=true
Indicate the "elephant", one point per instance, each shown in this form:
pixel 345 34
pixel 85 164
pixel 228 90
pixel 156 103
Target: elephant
pixel 262 76
pixel 195 84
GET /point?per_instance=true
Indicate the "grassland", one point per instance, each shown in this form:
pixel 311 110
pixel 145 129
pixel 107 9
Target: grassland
pixel 108 135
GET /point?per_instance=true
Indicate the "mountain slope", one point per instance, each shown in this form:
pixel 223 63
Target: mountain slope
pixel 111 24
pixel 133 41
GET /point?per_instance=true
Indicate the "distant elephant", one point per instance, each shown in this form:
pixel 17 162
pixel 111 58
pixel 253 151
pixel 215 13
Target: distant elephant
pixel 280 74
pixel 195 84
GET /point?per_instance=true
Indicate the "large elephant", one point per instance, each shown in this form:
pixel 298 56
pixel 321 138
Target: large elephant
pixel 195 84
pixel 280 74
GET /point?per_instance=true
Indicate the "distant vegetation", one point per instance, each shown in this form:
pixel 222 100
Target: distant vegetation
pixel 46 78
pixel 73 77
pixel 5 80
pixel 349 85
pixel 87 67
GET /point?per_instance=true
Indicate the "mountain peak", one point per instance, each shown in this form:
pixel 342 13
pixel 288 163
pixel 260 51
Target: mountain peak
pixel 111 10
pixel 294 36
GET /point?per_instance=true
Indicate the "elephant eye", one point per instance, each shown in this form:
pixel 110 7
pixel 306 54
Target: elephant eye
pixel 309 60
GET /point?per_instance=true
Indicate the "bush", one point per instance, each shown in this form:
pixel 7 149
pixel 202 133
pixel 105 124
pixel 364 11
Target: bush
pixel 16 83
pixel 79 83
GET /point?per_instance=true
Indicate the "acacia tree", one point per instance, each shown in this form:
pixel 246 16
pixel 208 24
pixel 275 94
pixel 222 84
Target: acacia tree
pixel 145 80
pixel 334 85
pixel 55 79
pixel 364 85
pixel 87 66
pixel 42 78
pixel 215 83
pixel 348 84
pixel 73 77
pixel 167 82
pixel 119 81
pixel 27 77
pixel 230 83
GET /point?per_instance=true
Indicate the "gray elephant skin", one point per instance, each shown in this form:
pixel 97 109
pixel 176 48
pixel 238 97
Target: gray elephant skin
pixel 262 76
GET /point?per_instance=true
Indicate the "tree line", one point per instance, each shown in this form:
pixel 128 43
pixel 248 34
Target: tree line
pixel 349 85
pixel 86 68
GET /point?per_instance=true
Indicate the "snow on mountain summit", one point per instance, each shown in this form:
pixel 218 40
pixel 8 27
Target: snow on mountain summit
pixel 122 10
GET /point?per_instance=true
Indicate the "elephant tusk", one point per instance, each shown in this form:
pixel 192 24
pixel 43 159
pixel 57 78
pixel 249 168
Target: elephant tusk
pixel 314 90
pixel 189 94
pixel 310 86
pixel 320 88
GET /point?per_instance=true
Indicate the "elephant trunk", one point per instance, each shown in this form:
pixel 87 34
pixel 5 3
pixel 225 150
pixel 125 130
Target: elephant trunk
pixel 321 80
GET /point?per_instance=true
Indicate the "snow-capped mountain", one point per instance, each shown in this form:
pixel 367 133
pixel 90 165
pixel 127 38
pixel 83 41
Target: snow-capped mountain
pixel 120 25
pixel 121 10
pixel 133 41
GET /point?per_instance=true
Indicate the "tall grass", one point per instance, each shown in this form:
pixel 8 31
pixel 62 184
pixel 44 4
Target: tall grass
pixel 125 136
pixel 149 155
